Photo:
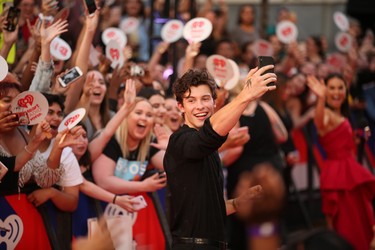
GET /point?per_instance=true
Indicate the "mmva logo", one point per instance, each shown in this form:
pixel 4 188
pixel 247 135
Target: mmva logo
pixel 13 228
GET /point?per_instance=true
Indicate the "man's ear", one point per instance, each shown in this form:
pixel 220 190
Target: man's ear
pixel 181 107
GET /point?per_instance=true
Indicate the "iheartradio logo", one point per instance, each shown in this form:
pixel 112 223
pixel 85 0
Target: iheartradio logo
pixel 71 120
pixel 29 99
pixel 13 228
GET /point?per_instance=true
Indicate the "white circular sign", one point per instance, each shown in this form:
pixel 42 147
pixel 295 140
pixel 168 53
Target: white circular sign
pixel 197 29
pixel 3 68
pixel 262 48
pixel 336 60
pixel 220 68
pixel 172 31
pixel 114 53
pixel 287 32
pixel 71 120
pixel 341 21
pixel 232 82
pixel 114 34
pixel 60 49
pixel 129 25
pixel 343 41
pixel 31 107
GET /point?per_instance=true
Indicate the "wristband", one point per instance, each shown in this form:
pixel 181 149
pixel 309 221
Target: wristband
pixel 114 199
pixel 28 151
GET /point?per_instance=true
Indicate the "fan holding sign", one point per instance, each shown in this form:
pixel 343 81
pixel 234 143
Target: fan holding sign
pixel 197 29
pixel 220 68
pixel 65 199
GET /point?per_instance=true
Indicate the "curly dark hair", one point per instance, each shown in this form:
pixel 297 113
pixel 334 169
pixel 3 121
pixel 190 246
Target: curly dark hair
pixel 58 99
pixel 193 78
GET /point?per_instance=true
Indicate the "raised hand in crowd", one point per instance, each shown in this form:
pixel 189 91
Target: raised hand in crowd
pixel 161 48
pixel 9 37
pixel 104 64
pixel 192 50
pixel 317 86
pixel 97 145
pixel 47 34
pixel 49 7
pixel 118 77
pixel 68 137
pixel 43 130
pixel 56 87
pixel 81 57
pixel 162 136
pixel 84 100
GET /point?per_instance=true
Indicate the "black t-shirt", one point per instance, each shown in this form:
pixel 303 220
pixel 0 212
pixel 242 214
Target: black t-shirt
pixel 9 183
pixel 262 147
pixel 113 151
pixel 195 180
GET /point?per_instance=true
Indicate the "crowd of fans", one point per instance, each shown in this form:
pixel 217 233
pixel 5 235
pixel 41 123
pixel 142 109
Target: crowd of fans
pixel 130 114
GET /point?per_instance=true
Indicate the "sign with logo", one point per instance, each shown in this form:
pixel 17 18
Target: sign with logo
pixel 343 41
pixel 233 81
pixel 60 49
pixel 341 21
pixel 336 60
pixel 14 232
pixel 220 68
pixel 31 107
pixel 3 68
pixel 114 52
pixel 71 120
pixel 172 31
pixel 114 34
pixel 197 29
pixel 287 32
pixel 262 48
pixel 129 25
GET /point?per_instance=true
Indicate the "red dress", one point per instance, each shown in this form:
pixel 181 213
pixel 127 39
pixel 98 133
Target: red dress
pixel 347 188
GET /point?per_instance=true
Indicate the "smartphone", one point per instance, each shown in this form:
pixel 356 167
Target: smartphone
pixel 91 6
pixel 3 170
pixel 12 18
pixel 22 118
pixel 264 61
pixel 162 174
pixel 72 75
pixel 141 202
pixel 136 71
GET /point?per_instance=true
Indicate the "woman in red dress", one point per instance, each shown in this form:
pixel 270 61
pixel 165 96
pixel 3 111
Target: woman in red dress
pixel 347 188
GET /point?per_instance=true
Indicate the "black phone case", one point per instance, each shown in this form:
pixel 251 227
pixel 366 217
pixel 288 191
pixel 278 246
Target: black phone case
pixel 91 6
pixel 12 19
pixel 264 61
